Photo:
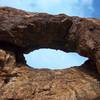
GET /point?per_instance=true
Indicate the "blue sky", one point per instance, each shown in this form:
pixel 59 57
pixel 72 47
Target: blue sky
pixel 47 58
pixel 96 7
pixel 83 8
pixel 54 59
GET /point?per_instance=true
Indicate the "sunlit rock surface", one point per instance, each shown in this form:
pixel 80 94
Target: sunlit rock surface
pixel 21 32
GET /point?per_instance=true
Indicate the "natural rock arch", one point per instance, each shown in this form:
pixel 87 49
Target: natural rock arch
pixel 30 31
pixel 21 32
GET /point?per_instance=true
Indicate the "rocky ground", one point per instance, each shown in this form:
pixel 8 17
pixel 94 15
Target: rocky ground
pixel 21 32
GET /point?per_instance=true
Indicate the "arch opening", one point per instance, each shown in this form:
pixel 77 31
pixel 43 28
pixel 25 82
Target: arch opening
pixel 53 59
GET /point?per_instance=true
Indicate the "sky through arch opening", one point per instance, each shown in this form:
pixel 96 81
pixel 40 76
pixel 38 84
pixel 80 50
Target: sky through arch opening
pixel 53 59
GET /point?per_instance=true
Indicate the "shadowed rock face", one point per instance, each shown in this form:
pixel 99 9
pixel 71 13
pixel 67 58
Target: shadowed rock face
pixel 22 32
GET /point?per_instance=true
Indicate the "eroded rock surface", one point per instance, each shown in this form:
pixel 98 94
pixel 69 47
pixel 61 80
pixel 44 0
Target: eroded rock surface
pixel 22 32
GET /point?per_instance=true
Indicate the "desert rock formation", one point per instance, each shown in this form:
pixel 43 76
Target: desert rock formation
pixel 22 32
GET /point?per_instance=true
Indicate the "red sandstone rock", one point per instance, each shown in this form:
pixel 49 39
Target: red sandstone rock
pixel 22 32
pixel 30 31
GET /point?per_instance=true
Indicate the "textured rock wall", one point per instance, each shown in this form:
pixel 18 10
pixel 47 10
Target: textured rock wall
pixel 21 32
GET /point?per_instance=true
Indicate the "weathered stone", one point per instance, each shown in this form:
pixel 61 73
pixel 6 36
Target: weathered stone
pixel 30 31
pixel 24 83
pixel 22 32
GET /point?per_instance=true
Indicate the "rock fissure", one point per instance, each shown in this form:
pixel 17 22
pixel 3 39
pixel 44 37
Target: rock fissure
pixel 22 32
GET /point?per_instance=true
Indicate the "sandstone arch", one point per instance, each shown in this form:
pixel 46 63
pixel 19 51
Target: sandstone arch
pixel 31 31
pixel 27 31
